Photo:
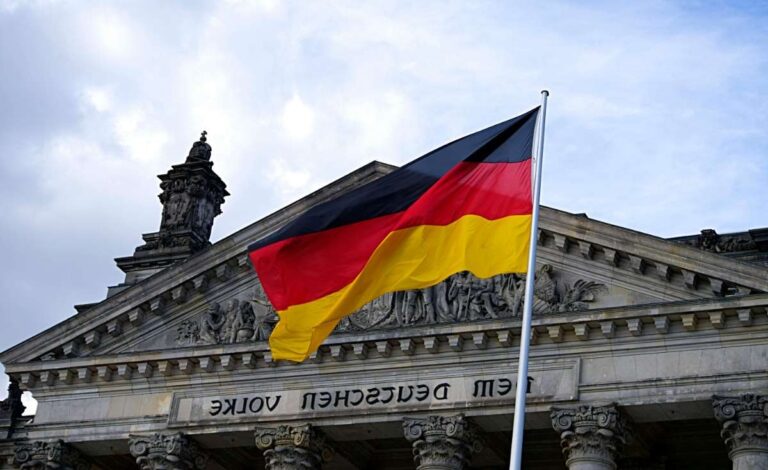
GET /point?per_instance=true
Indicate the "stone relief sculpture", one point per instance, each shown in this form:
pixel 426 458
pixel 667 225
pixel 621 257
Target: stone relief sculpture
pixel 464 297
pixel 710 240
pixel 236 321
pixel 460 298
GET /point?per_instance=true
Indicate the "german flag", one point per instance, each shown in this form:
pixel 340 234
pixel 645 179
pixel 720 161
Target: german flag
pixel 465 206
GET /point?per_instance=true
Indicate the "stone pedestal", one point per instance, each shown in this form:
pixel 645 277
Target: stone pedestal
pixel 46 455
pixel 745 429
pixel 293 447
pixel 167 452
pixel 592 436
pixel 442 442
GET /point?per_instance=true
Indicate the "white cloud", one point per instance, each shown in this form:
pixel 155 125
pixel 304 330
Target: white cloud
pixel 298 119
pixel 657 115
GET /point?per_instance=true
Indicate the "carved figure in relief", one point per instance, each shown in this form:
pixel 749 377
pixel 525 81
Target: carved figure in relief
pixel 211 324
pixel 229 331
pixel 264 315
pixel 242 326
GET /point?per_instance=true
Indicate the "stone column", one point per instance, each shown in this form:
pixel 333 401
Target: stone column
pixel 591 436
pixel 442 442
pixel 173 451
pixel 745 429
pixel 46 455
pixel 293 447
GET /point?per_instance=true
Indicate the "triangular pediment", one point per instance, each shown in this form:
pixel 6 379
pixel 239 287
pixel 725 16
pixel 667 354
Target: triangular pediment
pixel 213 298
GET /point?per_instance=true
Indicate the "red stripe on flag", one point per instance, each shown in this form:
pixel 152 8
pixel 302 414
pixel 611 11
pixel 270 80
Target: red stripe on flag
pixel 308 267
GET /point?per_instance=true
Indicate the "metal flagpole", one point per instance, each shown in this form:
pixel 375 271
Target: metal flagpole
pixel 525 334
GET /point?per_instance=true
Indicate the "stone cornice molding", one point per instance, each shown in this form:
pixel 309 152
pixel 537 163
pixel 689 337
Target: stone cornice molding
pixel 173 451
pixel 744 419
pixel 676 318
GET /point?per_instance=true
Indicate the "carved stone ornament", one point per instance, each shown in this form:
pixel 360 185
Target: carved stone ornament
pixel 464 297
pixel 192 195
pixel 293 447
pixel 237 321
pixel 745 424
pixel 167 452
pixel 710 240
pixel 49 455
pixel 442 442
pixel 590 435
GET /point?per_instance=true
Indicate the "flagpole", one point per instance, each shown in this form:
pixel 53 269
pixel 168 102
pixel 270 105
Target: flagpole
pixel 525 334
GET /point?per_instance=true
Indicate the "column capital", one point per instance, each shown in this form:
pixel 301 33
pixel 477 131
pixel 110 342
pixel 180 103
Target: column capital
pixel 591 433
pixel 744 419
pixel 442 442
pixel 293 447
pixel 41 455
pixel 173 451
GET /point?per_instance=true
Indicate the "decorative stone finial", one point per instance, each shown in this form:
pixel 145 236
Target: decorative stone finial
pixel 200 151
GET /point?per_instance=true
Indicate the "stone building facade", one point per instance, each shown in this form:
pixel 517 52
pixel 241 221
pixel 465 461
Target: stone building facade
pixel 647 354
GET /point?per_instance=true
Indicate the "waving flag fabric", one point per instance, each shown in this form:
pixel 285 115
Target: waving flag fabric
pixel 465 206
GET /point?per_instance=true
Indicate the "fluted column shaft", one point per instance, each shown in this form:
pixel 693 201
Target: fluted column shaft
pixel 592 437
pixel 442 442
pixel 744 419
pixel 173 451
pixel 293 447
pixel 46 455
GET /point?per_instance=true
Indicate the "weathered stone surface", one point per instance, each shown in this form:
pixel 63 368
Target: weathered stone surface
pixel 592 437
pixel 293 447
pixel 442 442
pixel 167 452
pixel 745 429
pixel 49 455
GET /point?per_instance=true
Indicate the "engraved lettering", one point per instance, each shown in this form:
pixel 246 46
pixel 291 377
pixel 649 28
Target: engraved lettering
pixel 441 391
pixel 401 398
pixel 483 388
pixel 341 398
pixel 244 406
pixel 422 392
pixel 273 406
pixel 307 397
pixel 357 402
pixel 215 407
pixel 256 409
pixel 373 396
pixel 325 399
pixel 230 406
pixel 391 391
pixel 505 386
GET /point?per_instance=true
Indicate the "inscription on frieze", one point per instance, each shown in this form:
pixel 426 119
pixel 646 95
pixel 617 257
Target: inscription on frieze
pixel 551 382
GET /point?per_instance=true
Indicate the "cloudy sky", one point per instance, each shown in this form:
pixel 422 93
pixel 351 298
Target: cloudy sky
pixel 658 118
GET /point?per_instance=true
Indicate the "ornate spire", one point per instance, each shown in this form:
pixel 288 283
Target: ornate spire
pixel 192 195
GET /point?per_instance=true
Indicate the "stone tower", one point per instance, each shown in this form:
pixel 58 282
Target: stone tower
pixel 192 195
